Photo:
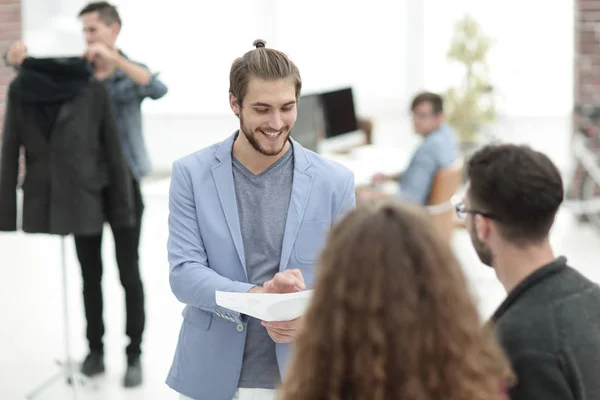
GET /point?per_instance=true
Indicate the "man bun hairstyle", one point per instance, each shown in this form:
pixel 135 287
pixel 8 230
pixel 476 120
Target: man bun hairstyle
pixel 259 43
pixel 264 63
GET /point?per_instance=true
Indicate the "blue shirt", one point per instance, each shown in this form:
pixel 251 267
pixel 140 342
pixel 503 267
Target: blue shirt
pixel 127 98
pixel 439 150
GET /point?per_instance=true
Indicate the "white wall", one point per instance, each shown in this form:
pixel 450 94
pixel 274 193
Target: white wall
pixel 532 60
pixel 51 28
pixel 381 47
pixel 334 43
pixel 193 43
pixel 348 42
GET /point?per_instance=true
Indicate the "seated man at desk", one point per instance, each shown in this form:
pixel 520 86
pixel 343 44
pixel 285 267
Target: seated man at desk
pixel 438 150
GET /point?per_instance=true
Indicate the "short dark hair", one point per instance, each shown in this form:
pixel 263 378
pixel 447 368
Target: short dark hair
pixel 107 12
pixel 427 97
pixel 520 187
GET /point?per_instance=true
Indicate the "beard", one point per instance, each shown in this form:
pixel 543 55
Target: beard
pixel 275 148
pixel 483 252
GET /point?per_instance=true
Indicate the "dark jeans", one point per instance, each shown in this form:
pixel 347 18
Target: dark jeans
pixel 89 253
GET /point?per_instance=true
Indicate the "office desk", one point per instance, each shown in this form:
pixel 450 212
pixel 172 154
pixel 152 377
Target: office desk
pixel 366 161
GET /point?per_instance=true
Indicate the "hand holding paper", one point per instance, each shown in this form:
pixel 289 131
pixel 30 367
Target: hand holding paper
pixel 283 331
pixel 268 307
pixel 279 303
pixel 288 281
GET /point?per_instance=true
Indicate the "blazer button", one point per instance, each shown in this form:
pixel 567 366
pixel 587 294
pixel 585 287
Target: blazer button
pixel 239 327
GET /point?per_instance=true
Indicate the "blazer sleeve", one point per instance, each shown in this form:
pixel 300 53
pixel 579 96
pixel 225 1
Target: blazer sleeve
pixel 9 168
pixel 192 280
pixel 120 207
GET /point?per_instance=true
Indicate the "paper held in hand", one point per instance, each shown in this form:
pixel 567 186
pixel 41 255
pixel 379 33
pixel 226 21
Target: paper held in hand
pixel 269 307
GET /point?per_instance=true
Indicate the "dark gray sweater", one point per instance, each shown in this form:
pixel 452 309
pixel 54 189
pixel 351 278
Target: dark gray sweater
pixel 549 326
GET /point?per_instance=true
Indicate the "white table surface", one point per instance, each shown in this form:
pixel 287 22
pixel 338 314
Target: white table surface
pixel 366 161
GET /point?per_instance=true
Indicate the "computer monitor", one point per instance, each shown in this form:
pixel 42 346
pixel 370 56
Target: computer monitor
pixel 340 123
pixel 307 129
pixel 338 109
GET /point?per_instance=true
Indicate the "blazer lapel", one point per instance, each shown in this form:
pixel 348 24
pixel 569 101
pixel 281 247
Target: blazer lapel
pixel 301 186
pixel 223 176
pixel 65 112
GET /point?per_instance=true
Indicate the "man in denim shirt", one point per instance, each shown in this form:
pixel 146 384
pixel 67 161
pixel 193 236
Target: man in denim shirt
pixel 438 150
pixel 128 83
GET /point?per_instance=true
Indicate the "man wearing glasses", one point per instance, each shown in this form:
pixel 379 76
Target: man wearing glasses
pixel 438 150
pixel 549 323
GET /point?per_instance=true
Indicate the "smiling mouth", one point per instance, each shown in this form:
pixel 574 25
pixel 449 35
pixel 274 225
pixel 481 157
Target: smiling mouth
pixel 271 135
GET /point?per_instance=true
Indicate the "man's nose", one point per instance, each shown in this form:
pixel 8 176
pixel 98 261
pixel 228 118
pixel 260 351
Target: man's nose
pixel 276 121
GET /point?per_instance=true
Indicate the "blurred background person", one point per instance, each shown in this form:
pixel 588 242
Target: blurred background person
pixel 128 83
pixel 391 317
pixel 438 149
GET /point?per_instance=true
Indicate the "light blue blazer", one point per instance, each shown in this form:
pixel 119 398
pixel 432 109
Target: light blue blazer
pixel 206 253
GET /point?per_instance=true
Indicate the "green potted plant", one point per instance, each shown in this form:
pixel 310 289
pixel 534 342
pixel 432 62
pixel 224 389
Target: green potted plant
pixel 470 105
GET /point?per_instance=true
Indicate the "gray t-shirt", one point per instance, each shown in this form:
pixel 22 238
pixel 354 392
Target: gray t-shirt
pixel 262 202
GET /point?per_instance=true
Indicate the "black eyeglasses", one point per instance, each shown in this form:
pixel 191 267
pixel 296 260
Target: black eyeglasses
pixel 462 211
pixel 422 115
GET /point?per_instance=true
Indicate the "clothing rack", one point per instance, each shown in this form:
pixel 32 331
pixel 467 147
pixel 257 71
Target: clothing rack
pixel 68 369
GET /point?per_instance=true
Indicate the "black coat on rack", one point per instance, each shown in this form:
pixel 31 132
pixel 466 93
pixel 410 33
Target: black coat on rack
pixel 76 176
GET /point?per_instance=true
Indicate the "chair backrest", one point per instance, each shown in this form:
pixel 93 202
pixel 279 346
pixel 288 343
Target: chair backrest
pixel 445 185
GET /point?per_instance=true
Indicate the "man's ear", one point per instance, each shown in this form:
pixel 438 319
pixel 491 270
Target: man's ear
pixel 115 28
pixel 483 226
pixel 440 117
pixel 233 103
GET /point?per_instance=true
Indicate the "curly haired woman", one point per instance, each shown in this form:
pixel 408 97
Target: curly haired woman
pixel 392 318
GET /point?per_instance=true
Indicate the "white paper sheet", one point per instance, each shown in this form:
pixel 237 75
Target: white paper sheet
pixel 266 306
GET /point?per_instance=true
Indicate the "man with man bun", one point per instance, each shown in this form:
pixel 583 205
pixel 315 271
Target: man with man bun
pixel 248 214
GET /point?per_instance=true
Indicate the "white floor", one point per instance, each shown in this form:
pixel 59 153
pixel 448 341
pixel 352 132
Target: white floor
pixel 31 335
